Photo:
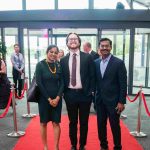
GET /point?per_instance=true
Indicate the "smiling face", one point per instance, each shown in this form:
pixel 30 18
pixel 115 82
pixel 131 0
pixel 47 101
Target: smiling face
pixel 52 54
pixel 73 42
pixel 105 48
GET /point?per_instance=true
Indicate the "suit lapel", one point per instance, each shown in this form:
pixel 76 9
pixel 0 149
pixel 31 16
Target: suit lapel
pixel 67 65
pixel 99 68
pixel 81 63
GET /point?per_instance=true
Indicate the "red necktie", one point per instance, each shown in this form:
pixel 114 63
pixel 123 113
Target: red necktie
pixel 74 63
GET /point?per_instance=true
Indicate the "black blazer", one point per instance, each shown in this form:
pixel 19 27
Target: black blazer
pixel 112 88
pixel 86 71
pixel 94 55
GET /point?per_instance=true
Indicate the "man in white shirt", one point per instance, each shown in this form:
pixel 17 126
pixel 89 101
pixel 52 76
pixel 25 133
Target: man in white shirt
pixel 79 84
pixel 17 70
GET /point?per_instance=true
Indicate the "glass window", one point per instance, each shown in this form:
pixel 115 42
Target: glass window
pixel 10 5
pixel 109 4
pixel 11 37
pixel 140 57
pixel 73 4
pixel 39 4
pixel 38 42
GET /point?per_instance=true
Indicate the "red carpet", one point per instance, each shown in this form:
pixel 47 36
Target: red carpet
pixel 32 139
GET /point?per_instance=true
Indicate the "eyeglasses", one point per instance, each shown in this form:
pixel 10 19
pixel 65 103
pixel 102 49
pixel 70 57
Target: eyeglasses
pixel 72 39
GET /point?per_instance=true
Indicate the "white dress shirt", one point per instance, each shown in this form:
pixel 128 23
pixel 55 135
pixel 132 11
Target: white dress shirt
pixel 103 64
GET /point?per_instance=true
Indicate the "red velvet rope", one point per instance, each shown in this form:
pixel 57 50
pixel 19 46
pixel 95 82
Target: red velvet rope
pixel 7 108
pixel 22 94
pixel 135 98
pixel 145 104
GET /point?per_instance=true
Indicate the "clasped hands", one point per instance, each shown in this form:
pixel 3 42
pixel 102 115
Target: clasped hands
pixel 54 102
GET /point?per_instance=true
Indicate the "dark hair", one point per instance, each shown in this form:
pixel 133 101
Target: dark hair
pixel 105 39
pixel 119 5
pixel 16 45
pixel 50 47
pixel 76 35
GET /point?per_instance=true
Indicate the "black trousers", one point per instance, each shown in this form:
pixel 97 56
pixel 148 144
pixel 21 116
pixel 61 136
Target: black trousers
pixel 17 81
pixel 104 112
pixel 78 105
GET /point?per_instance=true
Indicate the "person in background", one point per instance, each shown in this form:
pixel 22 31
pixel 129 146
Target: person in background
pixel 60 54
pixel 87 49
pixel 111 90
pixel 4 85
pixel 18 68
pixel 79 84
pixel 50 82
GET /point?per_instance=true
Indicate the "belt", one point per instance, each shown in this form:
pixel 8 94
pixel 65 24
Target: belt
pixel 75 90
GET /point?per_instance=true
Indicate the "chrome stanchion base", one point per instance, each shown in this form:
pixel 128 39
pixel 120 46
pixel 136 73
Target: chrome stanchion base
pixel 29 115
pixel 138 134
pixel 123 117
pixel 16 134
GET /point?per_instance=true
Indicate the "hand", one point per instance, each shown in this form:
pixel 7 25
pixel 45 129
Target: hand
pixel 50 101
pixel 120 107
pixel 55 102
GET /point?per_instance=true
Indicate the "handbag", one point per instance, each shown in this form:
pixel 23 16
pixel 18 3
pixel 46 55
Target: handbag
pixel 33 92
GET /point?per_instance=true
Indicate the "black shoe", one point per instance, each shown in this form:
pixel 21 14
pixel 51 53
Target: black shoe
pixel 82 148
pixel 73 148
pixel 104 148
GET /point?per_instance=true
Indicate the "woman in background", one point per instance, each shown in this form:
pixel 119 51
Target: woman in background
pixel 50 82
pixel 4 85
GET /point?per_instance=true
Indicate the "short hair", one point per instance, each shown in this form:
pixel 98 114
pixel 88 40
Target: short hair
pixel 16 45
pixel 88 44
pixel 76 35
pixel 50 47
pixel 105 39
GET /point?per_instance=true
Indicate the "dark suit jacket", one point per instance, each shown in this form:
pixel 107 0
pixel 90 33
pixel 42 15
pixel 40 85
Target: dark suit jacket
pixel 86 71
pixel 112 88
pixel 94 55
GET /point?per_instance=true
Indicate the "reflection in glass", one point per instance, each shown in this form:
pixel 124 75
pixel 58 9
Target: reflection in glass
pixel 39 4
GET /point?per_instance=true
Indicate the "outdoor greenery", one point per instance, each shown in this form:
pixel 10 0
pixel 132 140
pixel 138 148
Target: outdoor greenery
pixel 3 50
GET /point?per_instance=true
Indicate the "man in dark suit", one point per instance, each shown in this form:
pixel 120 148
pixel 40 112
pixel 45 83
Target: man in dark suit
pixel 87 49
pixel 78 74
pixel 111 88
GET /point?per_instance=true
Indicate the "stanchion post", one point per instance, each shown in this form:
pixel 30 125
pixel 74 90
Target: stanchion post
pixel 28 115
pixel 138 132
pixel 15 133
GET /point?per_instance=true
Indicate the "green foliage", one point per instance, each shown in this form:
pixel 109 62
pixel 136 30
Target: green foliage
pixel 3 49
